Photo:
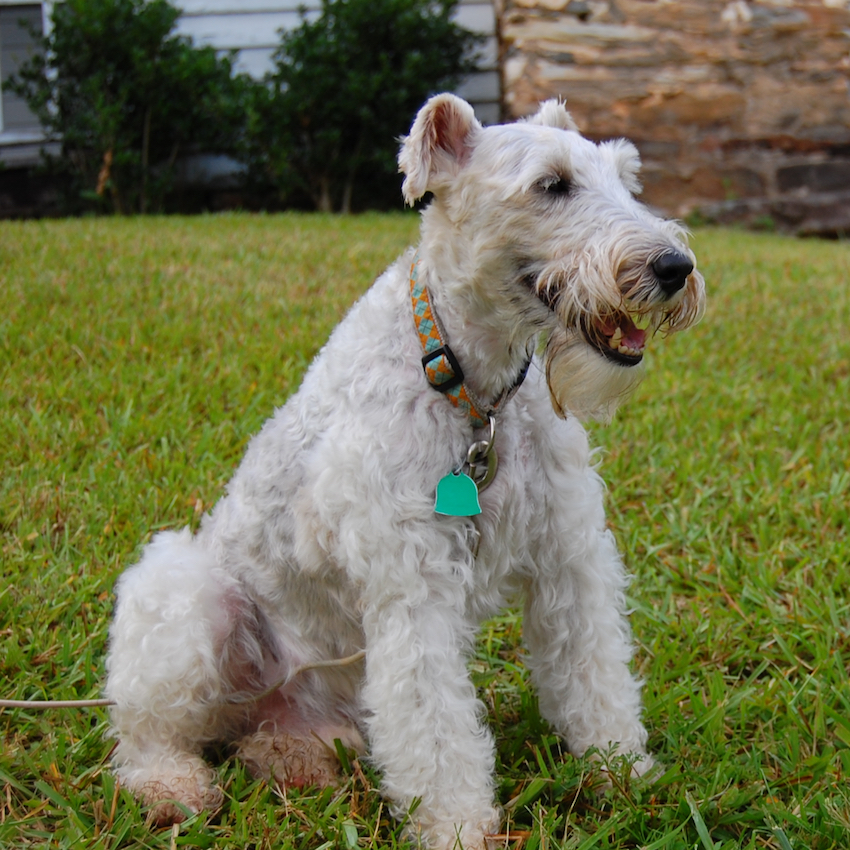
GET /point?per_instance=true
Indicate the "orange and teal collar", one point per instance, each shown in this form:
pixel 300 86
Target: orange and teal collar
pixel 442 369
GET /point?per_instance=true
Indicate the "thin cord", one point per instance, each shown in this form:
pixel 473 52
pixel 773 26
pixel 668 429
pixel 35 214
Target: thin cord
pixel 55 703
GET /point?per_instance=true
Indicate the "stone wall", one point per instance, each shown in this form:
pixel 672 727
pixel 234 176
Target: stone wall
pixel 741 110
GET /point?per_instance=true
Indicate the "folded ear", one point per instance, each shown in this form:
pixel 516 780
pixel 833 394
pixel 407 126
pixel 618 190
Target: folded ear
pixel 439 144
pixel 626 161
pixel 553 113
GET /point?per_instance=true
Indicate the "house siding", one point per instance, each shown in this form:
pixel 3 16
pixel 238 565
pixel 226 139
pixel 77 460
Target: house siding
pixel 16 46
pixel 252 29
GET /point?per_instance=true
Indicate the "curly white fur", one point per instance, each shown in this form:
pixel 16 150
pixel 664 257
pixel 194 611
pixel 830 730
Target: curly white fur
pixel 327 540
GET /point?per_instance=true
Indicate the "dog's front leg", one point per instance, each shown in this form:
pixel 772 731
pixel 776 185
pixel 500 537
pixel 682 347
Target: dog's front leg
pixel 424 718
pixel 580 643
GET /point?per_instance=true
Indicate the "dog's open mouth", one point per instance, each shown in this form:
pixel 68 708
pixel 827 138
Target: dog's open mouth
pixel 617 337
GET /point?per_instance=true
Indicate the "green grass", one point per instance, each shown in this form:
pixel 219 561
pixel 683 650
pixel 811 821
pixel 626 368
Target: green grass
pixel 137 357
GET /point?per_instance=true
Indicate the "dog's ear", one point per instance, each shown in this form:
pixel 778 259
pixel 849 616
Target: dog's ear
pixel 440 141
pixel 553 113
pixel 626 161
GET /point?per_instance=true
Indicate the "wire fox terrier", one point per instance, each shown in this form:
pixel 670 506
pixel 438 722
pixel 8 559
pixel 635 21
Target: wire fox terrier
pixel 430 470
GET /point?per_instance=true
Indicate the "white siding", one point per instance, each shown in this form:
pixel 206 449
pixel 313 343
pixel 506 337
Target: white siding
pixel 228 32
pixel 16 47
pixel 251 27
pixel 20 133
pixel 246 7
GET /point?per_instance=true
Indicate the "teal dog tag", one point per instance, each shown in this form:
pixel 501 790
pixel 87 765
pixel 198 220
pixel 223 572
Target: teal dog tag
pixel 457 495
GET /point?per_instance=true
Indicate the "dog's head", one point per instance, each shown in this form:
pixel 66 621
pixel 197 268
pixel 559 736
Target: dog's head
pixel 542 228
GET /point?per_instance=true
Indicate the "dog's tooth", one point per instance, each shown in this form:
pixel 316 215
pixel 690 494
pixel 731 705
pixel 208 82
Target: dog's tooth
pixel 616 337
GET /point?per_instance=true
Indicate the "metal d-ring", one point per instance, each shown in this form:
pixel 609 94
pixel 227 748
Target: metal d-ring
pixel 482 460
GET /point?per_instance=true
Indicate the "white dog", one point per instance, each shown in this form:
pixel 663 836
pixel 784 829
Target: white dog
pixel 354 522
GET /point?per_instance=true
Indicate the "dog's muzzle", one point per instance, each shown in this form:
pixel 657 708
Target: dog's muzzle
pixel 620 336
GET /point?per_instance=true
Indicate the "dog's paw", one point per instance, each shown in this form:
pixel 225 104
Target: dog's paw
pixel 293 761
pixel 174 801
pixel 478 834
pixel 641 766
pixel 611 769
pixel 644 765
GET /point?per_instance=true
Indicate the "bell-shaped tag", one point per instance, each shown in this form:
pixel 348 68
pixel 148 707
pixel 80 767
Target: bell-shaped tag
pixel 457 495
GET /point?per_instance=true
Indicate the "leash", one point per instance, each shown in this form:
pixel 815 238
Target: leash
pixel 457 492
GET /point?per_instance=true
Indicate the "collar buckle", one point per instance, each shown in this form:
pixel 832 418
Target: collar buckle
pixel 446 374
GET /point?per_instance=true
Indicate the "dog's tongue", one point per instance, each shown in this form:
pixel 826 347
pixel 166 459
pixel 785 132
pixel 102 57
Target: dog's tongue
pixel 623 335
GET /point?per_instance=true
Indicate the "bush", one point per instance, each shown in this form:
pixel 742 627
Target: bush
pixel 345 87
pixel 125 98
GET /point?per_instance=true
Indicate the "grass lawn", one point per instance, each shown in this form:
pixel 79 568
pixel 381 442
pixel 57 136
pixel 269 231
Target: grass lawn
pixel 137 357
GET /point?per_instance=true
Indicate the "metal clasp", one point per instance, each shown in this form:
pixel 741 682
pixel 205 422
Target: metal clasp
pixel 482 460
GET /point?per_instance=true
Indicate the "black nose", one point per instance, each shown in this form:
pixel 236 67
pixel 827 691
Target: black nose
pixel 672 270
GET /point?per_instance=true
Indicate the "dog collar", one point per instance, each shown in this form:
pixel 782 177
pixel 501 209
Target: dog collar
pixel 442 369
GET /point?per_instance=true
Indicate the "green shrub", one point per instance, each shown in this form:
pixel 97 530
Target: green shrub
pixel 125 98
pixel 345 87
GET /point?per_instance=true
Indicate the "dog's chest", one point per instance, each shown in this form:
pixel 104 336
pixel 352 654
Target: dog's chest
pixel 509 527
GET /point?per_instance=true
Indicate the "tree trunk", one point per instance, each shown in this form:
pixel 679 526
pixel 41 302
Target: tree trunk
pixel 325 203
pixel 347 191
pixel 146 143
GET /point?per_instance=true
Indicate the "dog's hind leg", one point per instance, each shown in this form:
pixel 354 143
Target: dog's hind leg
pixel 164 675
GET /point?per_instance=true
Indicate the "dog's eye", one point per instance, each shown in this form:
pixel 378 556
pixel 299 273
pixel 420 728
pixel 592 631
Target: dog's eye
pixel 556 186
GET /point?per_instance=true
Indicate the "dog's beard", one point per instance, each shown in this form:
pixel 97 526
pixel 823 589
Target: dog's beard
pixel 582 382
